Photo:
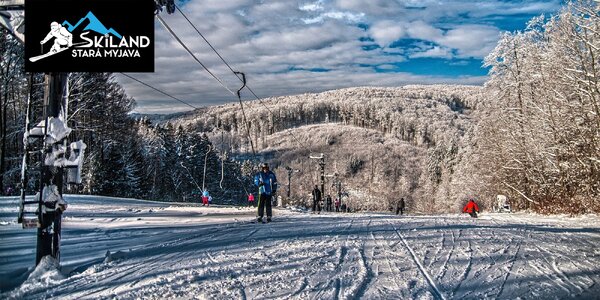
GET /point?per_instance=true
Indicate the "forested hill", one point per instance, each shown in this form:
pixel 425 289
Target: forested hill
pixel 416 114
pixel 384 143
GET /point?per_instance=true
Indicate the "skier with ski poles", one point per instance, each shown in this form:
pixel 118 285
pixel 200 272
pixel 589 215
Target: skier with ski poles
pixel 266 181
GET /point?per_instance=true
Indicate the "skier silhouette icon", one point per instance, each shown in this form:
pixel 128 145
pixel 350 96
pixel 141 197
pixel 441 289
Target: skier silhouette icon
pixel 63 40
pixel 62 37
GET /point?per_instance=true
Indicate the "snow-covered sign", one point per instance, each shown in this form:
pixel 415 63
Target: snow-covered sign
pixel 57 130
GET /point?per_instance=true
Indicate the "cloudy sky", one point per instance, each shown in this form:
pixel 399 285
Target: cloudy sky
pixel 290 47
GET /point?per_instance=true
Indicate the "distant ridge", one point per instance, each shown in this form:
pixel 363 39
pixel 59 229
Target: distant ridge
pixel 95 25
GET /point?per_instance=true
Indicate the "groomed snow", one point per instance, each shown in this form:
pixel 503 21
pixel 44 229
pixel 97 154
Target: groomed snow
pixel 125 248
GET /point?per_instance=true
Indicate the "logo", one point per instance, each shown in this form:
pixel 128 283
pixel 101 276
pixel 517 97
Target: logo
pixel 89 36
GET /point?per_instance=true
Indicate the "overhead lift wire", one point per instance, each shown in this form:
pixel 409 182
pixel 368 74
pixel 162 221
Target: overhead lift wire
pixel 230 68
pixel 168 28
pixel 164 93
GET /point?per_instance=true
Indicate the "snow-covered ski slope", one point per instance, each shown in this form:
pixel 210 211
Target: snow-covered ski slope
pixel 185 251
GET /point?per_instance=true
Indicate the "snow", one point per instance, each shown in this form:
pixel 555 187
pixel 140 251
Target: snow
pixel 58 130
pixel 127 248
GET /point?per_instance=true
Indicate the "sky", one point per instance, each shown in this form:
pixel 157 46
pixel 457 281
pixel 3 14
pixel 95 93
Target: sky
pixel 292 47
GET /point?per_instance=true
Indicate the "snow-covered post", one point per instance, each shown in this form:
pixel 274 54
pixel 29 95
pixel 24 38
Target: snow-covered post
pixel 49 220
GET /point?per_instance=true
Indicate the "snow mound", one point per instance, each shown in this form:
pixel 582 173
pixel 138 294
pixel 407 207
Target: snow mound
pixel 46 274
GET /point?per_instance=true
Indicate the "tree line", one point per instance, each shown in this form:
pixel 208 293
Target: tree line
pixel 540 125
pixel 532 132
pixel 125 156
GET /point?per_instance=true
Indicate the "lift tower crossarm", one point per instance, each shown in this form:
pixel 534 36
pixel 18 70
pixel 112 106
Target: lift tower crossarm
pixel 11 18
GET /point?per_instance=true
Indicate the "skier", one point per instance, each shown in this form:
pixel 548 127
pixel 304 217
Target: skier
pixel 400 206
pixel 267 186
pixel 328 200
pixel 205 196
pixel 337 204
pixel 316 194
pixel 471 208
pixel 62 37
pixel 251 199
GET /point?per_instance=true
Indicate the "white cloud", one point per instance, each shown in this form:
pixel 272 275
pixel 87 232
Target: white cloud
pixel 372 7
pixel 267 39
pixel 386 32
pixel 337 15
pixel 421 30
pixel 316 6
pixel 436 51
pixel 471 40
pixel 468 40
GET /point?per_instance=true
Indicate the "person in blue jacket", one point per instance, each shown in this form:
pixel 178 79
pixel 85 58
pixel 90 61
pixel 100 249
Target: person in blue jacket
pixel 267 186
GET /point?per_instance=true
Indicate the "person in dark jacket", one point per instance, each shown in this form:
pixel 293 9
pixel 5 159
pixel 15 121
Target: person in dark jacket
pixel 400 205
pixel 316 194
pixel 266 182
pixel 471 208
pixel 329 205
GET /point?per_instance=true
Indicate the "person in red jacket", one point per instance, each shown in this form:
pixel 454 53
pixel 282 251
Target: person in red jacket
pixel 471 208
pixel 251 199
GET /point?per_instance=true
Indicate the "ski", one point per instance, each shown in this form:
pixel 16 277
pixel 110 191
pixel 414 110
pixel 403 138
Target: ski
pixel 36 58
pixel 50 53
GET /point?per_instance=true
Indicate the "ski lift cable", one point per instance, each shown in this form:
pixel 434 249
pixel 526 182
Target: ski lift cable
pixel 260 100
pixel 164 93
pixel 168 28
pixel 164 23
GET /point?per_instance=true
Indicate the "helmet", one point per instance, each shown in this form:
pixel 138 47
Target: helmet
pixel 54 25
pixel 264 165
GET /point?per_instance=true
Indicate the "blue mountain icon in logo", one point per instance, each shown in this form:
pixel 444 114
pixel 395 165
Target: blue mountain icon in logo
pixel 94 25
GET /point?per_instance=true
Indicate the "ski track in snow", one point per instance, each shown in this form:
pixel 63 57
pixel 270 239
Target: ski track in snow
pixel 170 250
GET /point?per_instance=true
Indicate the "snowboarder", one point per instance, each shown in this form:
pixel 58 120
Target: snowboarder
pixel 400 206
pixel 62 38
pixel 329 202
pixel 251 200
pixel 337 204
pixel 471 208
pixel 267 186
pixel 316 194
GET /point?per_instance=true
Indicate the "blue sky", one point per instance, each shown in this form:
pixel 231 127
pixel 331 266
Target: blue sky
pixel 292 47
